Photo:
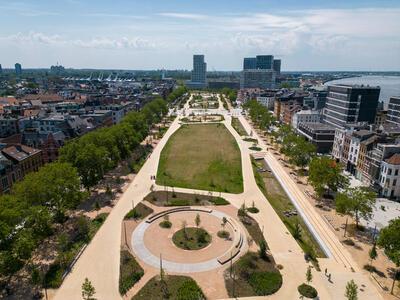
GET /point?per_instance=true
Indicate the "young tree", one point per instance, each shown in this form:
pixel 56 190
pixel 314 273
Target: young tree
pixel 389 240
pixel 357 202
pixel 88 290
pixel 197 220
pixel 184 224
pixel 351 290
pixel 325 174
pixel 224 221
pixel 263 249
pixel 309 275
pixel 373 254
pixel 297 231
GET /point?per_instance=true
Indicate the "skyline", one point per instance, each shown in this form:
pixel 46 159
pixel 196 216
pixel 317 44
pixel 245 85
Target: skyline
pixel 131 35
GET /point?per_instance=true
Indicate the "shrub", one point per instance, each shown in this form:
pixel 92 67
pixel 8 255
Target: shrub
pixel 132 214
pixel 253 210
pixel 53 277
pixel 307 291
pixel 130 272
pixel 165 224
pixel 254 148
pixel 265 283
pixel 219 201
pixel 223 234
pixel 349 242
pixel 178 202
pixel 189 290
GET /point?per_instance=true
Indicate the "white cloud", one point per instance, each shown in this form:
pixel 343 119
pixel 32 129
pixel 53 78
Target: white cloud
pixel 122 43
pixel 183 16
pixel 97 42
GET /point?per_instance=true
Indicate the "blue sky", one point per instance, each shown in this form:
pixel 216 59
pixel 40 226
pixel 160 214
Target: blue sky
pixel 131 34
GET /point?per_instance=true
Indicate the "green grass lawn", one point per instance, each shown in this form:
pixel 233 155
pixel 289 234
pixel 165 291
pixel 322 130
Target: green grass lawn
pixel 204 157
pixel 281 203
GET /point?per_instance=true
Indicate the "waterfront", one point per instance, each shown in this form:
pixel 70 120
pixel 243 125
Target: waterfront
pixel 390 85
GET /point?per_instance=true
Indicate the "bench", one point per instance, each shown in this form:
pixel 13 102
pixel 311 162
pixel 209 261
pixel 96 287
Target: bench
pixel 156 216
pixel 237 245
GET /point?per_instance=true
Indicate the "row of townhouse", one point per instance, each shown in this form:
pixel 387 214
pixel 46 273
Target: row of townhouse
pixel 371 156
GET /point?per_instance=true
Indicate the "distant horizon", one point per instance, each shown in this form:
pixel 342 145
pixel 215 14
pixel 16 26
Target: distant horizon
pixel 208 71
pixel 359 35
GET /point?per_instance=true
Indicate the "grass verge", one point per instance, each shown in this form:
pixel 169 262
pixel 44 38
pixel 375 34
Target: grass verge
pixel 279 200
pixel 237 125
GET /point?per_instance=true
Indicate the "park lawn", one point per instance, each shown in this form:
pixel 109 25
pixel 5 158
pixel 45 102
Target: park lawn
pixel 278 199
pixel 204 157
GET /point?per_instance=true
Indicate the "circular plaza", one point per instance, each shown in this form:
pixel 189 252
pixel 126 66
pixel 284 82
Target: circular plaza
pixel 181 247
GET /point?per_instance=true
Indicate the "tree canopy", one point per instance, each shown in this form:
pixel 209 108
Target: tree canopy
pixel 357 202
pixel 325 175
pixel 389 240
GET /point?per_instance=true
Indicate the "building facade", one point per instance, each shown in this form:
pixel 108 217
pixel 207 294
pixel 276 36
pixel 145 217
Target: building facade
pixel 351 104
pixel 18 69
pixel 393 113
pixel 199 70
pixel 249 63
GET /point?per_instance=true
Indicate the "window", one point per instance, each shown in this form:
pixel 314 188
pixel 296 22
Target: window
pixel 389 171
pixel 394 182
pixel 396 172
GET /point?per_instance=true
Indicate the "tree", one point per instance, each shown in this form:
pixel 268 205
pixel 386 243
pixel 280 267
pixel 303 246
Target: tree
pixel 297 231
pixel 373 254
pixel 357 202
pixel 197 220
pixel 301 152
pixel 351 290
pixel 184 224
pixel 389 240
pixel 309 275
pixel 325 175
pixel 263 249
pixel 224 221
pixel 56 186
pixel 88 290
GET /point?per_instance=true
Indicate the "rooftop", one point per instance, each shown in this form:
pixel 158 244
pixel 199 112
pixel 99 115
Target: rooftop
pixel 394 159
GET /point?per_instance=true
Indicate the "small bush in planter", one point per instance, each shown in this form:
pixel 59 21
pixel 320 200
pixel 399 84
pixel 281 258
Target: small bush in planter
pixel 166 223
pixel 223 234
pixel 307 291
